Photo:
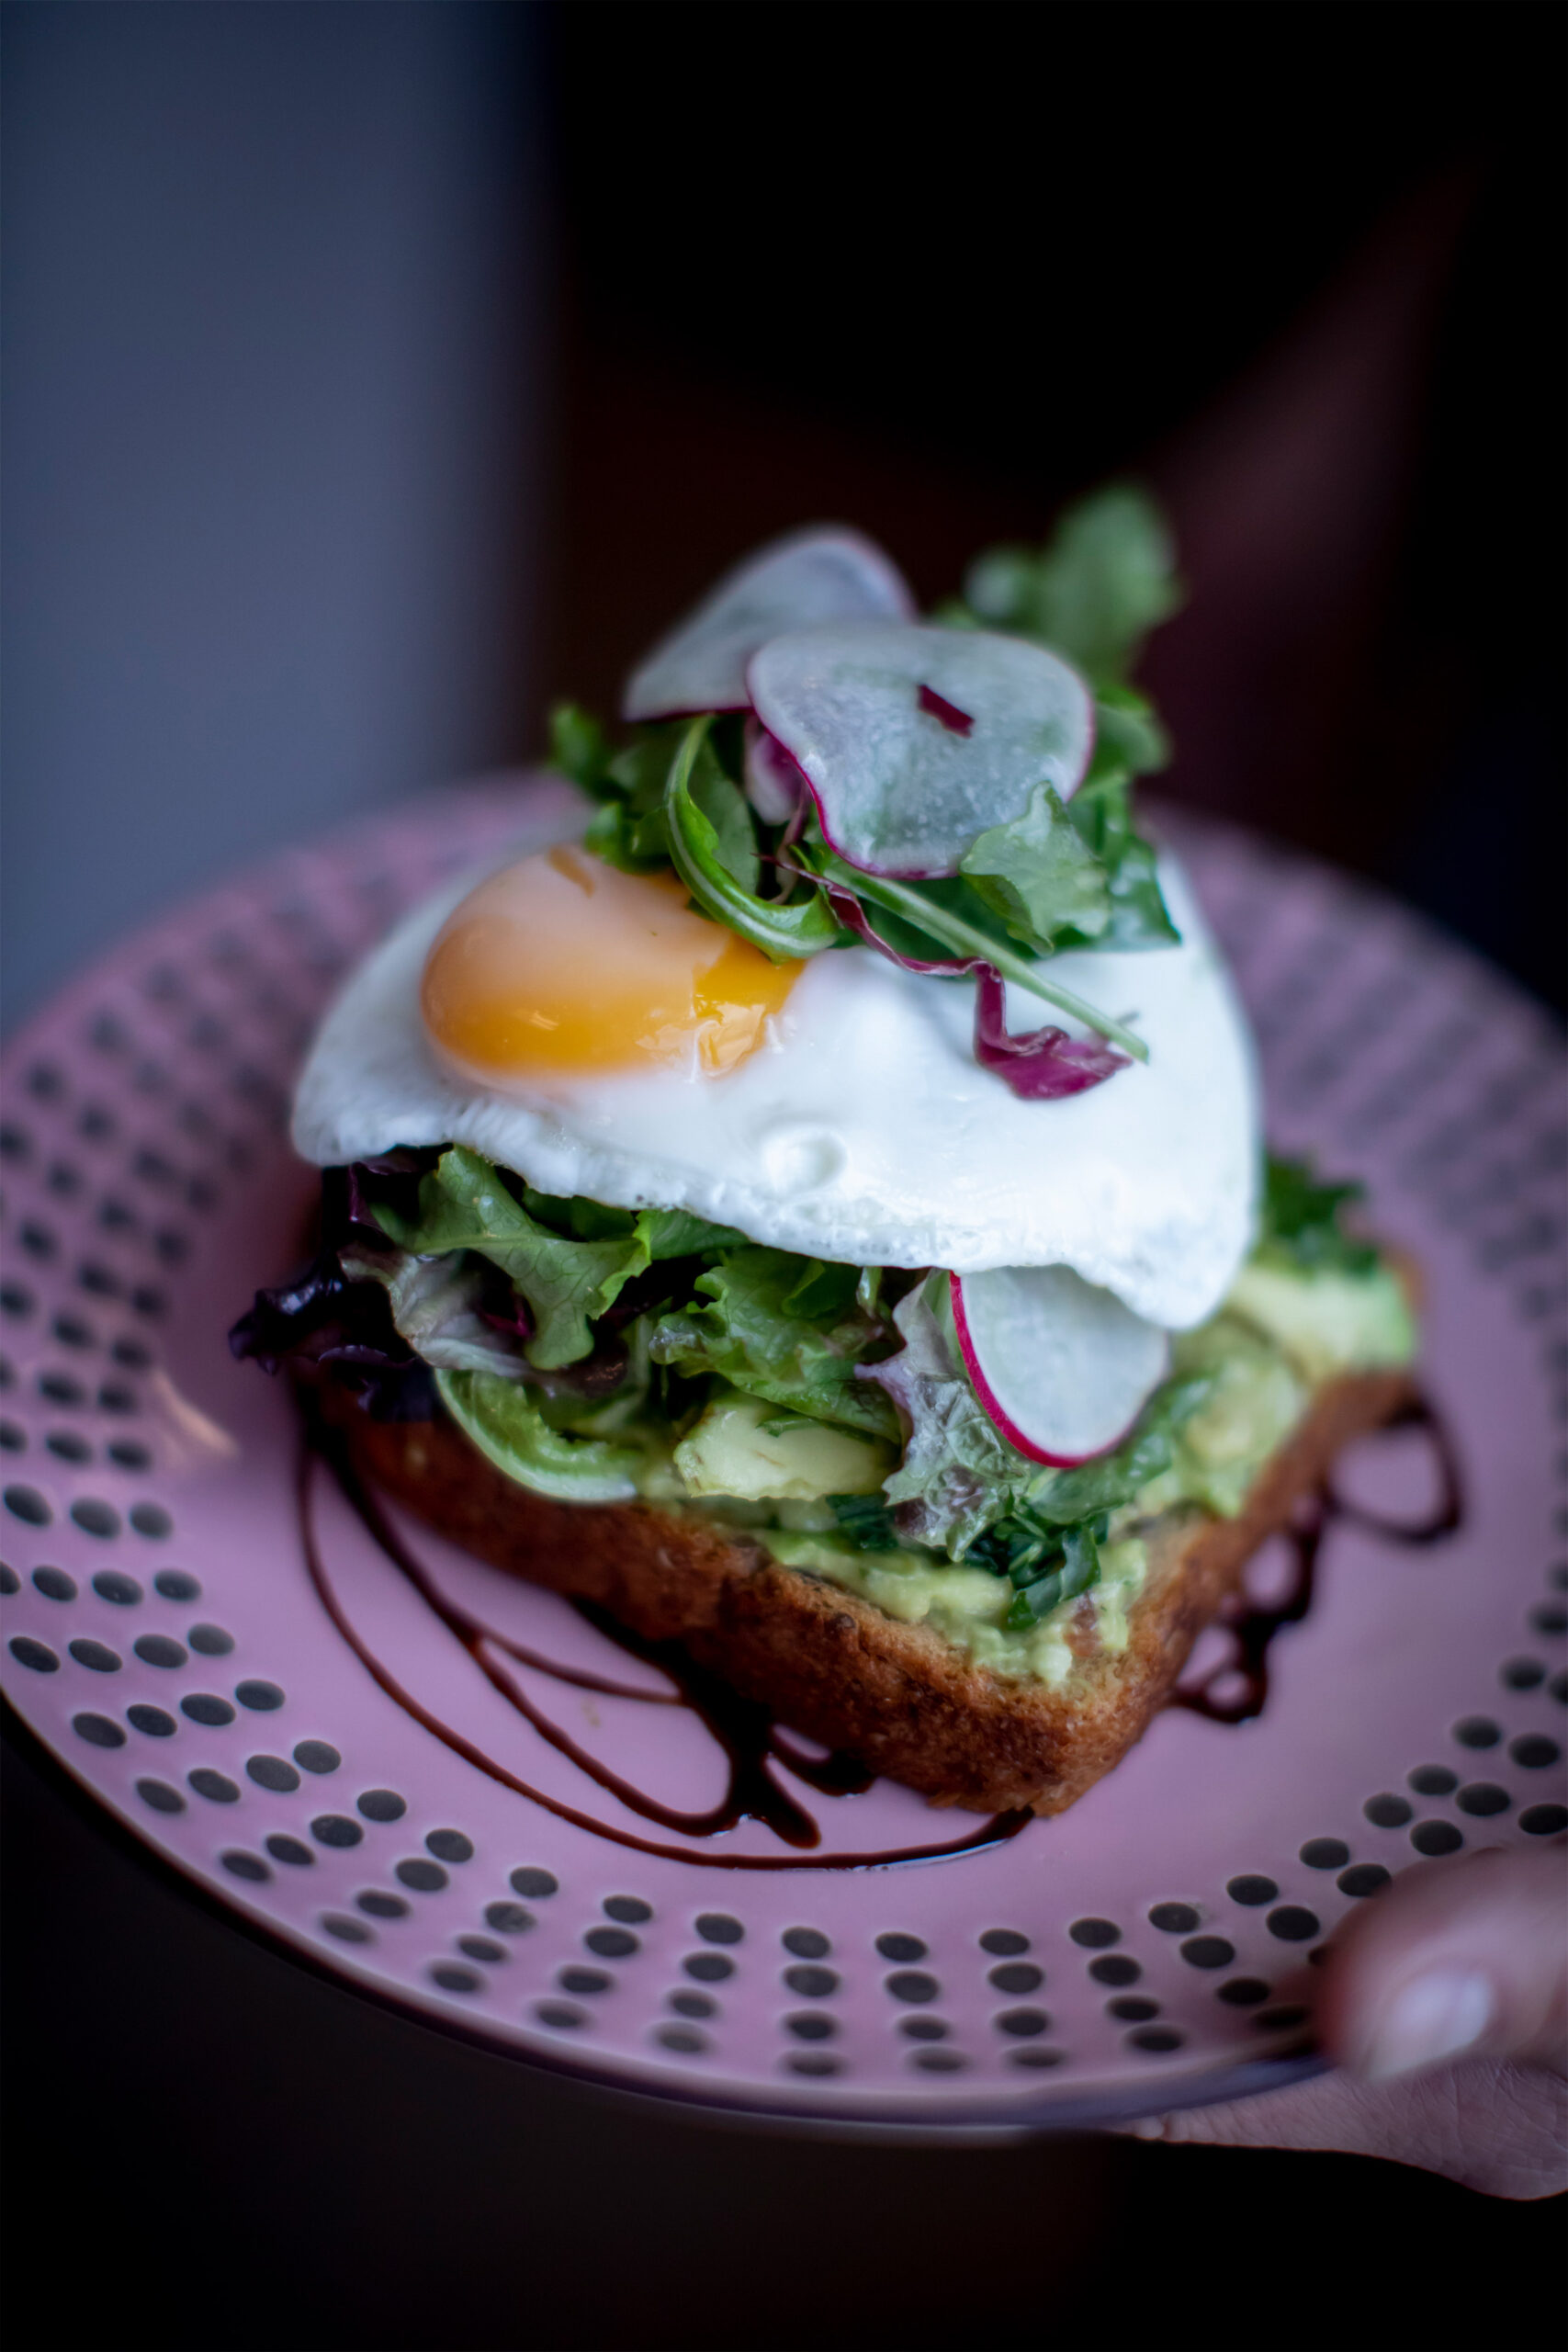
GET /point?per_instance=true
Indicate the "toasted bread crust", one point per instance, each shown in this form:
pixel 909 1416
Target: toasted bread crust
pixel 906 1700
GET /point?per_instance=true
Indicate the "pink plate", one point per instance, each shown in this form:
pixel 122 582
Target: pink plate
pixel 165 1637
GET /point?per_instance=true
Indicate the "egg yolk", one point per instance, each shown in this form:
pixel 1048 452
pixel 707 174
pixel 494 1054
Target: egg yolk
pixel 561 966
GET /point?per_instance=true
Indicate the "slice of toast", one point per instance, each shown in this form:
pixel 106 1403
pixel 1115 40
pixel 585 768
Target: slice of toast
pixel 902 1698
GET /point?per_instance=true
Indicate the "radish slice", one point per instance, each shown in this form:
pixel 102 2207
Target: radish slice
pixel 1063 1369
pixel 811 576
pixel 916 740
pixel 774 785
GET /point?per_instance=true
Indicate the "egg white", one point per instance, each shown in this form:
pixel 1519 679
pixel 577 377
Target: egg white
pixel 863 1129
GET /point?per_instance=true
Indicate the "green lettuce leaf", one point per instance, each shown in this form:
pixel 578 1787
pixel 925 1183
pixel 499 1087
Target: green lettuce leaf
pixel 1064 1496
pixel 1106 577
pixel 959 1474
pixel 506 1424
pixel 435 1307
pixel 1301 1221
pixel 567 1283
pixel 1039 874
pixel 788 1330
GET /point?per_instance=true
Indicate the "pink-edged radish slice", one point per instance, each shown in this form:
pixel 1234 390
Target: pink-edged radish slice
pixel 774 785
pixel 1062 1368
pixel 915 739
pixel 818 575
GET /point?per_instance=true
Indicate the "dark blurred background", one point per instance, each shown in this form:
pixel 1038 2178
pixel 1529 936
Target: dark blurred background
pixel 377 369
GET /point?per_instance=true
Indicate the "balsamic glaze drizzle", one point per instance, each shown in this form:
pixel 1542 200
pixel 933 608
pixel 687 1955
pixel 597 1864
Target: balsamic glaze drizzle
pixel 743 1729
pixel 1252 1627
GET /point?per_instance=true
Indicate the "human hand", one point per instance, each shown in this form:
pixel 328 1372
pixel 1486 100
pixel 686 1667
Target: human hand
pixel 1444 2005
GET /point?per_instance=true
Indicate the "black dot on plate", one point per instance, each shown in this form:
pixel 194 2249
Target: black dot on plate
pixel 584 1980
pixel 10 1581
pixel 1432 1780
pixel 1132 2008
pixel 26 1503
pixel 1017 1976
pixel 1362 1877
pixel 292 1850
pixel 557 2015
pixel 173 1584
pixel 126 1456
pixel 162 1799
pixel 1173 1918
pixel 115 1587
pixel 160 1649
pixel 1156 2037
pixel 54 1584
pixel 682 2038
pixel 152 1721
pixel 425 1878
pixel 380 1804
pixel 483 1948
pixel 809 2025
pixel 1094 1934
pixel 1325 1853
pixel 709 1967
pixel 72 1332
pixel 114 1397
pixel 691 2004
pixel 611 1944
pixel 59 1389
pixel 924 2028
pixel 131 1354
pixel 260 1696
pixel 939 2061
pixel 205 1707
pixel 1477 1731
pixel 1482 1798
pixel 16 1301
pixel 508 1919
pixel 811 1984
pixel 13 1437
pixel 900 1947
pixel 346 1930
pixel 911 1984
pixel 1115 1969
pixel 1243 1992
pixel 335 1829
pixel 719 1928
pixel 1533 1752
pixel 95 1518
pixel 218 1788
pixel 1277 2021
pixel 382 1906
pixel 96 1656
pixel 1022 2023
pixel 97 1731
pixel 1544 1820
pixel 1294 1924
pixel 150 1521
pixel 316 1756
pixel 247 1866
pixel 66 1446
pixel 1437 1837
pixel 1208 1951
pixel 1003 1943
pixel 629 1909
pixel 272 1772
pixel 37 1656
pixel 1034 2055
pixel 1558 1686
pixel 210 1640
pixel 1387 1811
pixel 535 1884
pixel 1551 1617
pixel 813 2062
pixel 806 1943
pixel 453 1979
pixel 1251 1890
pixel 449 1846
pixel 1521 1673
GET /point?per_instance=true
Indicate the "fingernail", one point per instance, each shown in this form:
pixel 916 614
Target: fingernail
pixel 1431 2017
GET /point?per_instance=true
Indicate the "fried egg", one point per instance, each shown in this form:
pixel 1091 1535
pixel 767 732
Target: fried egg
pixel 589 1031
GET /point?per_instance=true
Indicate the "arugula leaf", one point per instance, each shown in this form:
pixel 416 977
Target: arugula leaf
pixel 464 1205
pixel 580 749
pixel 1040 874
pixel 1104 579
pixel 866 1521
pixel 726 807
pixel 1126 730
pixel 507 1425
pixel 1078 1571
pixel 784 933
pixel 787 1333
pixel 1101 813
pixel 1300 1220
pixel 1069 1495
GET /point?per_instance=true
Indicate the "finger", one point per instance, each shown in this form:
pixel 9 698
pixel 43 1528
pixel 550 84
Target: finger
pixel 1502 2130
pixel 1459 1958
